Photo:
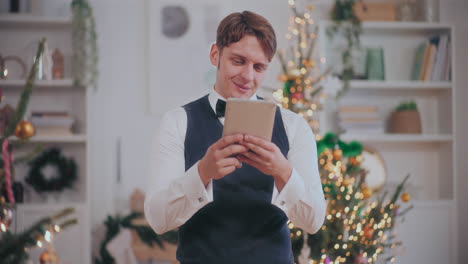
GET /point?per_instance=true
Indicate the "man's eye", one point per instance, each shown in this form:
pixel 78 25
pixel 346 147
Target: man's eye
pixel 260 68
pixel 237 61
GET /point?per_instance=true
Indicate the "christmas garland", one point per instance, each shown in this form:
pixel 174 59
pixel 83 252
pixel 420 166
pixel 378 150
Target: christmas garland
pixel 67 172
pixel 145 233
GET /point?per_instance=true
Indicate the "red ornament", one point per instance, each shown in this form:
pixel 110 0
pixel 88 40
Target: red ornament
pixel 297 95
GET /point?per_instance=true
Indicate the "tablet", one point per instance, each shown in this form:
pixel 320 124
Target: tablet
pixel 252 117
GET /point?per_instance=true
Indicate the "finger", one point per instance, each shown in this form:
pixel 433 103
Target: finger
pixel 251 163
pixel 264 154
pixel 228 140
pixel 228 162
pixel 253 157
pixel 226 170
pixel 260 142
pixel 231 150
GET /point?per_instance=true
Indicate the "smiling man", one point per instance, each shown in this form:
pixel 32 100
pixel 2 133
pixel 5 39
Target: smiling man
pixel 231 196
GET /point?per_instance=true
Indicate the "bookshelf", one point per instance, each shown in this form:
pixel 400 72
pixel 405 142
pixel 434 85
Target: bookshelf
pixel 428 157
pixel 22 33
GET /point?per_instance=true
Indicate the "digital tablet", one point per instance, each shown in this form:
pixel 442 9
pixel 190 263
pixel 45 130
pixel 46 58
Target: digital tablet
pixel 252 117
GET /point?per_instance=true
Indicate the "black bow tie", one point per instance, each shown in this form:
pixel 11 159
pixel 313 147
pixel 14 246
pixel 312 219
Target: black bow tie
pixel 220 108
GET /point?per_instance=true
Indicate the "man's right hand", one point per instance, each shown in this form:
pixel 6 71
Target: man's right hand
pixel 218 160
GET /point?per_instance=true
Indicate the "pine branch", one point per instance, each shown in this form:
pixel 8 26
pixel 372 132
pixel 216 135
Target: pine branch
pixel 24 99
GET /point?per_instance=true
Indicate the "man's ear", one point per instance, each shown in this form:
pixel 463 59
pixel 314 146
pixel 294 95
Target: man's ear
pixel 214 55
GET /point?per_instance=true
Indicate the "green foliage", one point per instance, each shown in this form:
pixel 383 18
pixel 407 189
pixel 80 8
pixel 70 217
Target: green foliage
pixel 12 246
pixel 85 49
pixel 348 23
pixel 407 106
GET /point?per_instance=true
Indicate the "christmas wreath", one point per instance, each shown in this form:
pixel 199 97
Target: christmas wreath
pixel 145 233
pixel 66 170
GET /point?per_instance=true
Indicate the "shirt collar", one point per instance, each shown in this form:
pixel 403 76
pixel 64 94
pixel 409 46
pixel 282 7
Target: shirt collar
pixel 214 96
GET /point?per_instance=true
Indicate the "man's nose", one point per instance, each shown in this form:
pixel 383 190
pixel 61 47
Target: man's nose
pixel 248 73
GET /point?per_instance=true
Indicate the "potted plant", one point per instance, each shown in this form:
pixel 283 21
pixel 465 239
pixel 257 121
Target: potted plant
pixel 405 119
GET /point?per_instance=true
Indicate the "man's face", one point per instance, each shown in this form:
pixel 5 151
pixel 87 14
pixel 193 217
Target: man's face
pixel 241 67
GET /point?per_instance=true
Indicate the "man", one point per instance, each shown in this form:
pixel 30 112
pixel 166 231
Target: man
pixel 231 196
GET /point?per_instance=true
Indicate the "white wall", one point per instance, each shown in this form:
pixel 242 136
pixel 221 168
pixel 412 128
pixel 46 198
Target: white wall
pixel 455 11
pixel 119 107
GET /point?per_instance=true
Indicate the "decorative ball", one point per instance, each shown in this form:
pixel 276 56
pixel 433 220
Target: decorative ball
pixel 24 130
pixel 6 217
pixel 348 181
pixel 366 192
pixel 354 161
pixel 48 257
pixel 297 96
pixel 337 154
pixel 368 232
pixel 405 197
pixel 282 78
pixel 308 63
pixel 360 259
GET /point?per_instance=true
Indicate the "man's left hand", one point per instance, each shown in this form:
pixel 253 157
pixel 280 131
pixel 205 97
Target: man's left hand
pixel 267 158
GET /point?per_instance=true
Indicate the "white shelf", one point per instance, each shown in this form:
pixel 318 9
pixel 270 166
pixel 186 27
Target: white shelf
pixel 49 206
pixel 397 138
pixel 79 138
pixel 62 83
pixel 396 25
pixel 31 20
pixel 401 85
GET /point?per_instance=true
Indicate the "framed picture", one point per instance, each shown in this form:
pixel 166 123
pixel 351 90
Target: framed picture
pixel 180 34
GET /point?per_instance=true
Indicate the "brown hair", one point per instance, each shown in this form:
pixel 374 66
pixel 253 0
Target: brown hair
pixel 236 25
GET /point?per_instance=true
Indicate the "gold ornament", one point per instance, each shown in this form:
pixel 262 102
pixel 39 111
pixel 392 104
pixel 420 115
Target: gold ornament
pixel 366 192
pixel 337 154
pixel 348 181
pixel 48 257
pixel 24 130
pixel 354 161
pixel 405 197
pixel 308 63
pixel 282 78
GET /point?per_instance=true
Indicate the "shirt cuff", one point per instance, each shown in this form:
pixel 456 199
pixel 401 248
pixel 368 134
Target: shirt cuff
pixel 291 193
pixel 194 188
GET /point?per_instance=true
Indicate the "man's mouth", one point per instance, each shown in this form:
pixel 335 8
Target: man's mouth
pixel 242 88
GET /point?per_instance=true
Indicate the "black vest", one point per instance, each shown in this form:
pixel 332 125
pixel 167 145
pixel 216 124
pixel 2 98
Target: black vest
pixel 241 225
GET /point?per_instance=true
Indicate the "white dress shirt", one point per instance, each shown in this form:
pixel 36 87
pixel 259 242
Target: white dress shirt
pixel 175 195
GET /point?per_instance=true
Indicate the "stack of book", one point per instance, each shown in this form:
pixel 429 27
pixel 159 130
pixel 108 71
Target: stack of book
pixel 432 60
pixel 356 119
pixel 52 123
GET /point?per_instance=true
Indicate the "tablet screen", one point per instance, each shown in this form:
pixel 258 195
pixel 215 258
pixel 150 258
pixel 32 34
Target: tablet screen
pixel 252 117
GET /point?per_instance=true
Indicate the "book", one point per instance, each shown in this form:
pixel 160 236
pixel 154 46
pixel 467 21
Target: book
pixel 441 56
pixel 418 61
pixel 430 62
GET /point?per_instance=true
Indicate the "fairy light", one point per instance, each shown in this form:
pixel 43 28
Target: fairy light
pixel 48 236
pixel 3 227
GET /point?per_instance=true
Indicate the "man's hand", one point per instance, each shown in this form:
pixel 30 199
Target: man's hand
pixel 217 161
pixel 267 158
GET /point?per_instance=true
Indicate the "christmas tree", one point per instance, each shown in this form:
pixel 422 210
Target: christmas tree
pixel 13 247
pixel 359 225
